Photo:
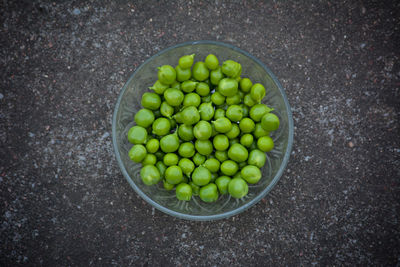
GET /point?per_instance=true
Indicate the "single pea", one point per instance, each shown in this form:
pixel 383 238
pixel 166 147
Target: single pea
pixel 166 74
pixel 234 132
pixel 206 99
pixel 221 155
pixel 159 88
pixel 152 145
pixel 195 188
pixel 182 74
pixel 198 159
pixel 257 92
pixel 206 111
pixel 238 188
pixel 212 165
pixel 259 131
pixel 222 183
pixel 144 117
pixel 246 140
pixel 168 186
pixel 247 125
pixel 161 126
pixel 245 85
pixel 265 143
pixel 137 153
pixel 191 99
pixel 216 76
pixel 186 165
pixel 185 132
pixel 173 96
pixel 248 101
pixel 150 175
pixel 228 87
pixel 251 174
pixel 151 101
pixel 231 68
pixel 176 85
pixel 258 111
pixel 203 89
pixel 222 125
pixel 185 62
pixel 190 115
pixel 173 175
pixel 166 110
pixel 137 135
pixel 171 159
pixel 201 176
pixel 245 110
pixel 188 86
pixel 234 113
pixel 217 98
pixel 161 167
pixel 202 130
pixel 200 71
pixel 219 113
pixel 204 147
pixel 257 158
pixel 212 62
pixel 270 122
pixel 233 100
pixel 183 192
pixel 150 159
pixel 186 150
pixel 178 117
pixel 238 153
pixel 159 154
pixel 221 142
pixel 169 143
pixel 229 167
pixel 209 193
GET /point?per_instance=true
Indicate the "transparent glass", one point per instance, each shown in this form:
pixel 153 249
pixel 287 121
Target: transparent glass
pixel 129 103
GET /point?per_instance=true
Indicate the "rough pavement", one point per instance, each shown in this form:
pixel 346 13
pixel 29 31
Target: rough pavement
pixel 64 200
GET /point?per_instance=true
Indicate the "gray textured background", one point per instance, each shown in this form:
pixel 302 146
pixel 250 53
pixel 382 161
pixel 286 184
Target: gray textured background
pixel 64 200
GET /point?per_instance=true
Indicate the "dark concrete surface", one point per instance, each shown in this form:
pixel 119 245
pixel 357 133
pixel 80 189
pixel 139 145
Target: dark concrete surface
pixel 64 200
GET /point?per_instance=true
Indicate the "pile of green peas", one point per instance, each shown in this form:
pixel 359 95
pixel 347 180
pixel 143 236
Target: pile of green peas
pixel 203 131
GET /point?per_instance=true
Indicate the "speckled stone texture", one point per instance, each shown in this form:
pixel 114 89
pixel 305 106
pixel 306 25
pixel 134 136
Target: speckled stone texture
pixel 64 200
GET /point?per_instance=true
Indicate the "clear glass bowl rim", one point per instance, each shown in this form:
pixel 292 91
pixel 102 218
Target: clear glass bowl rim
pixel 225 214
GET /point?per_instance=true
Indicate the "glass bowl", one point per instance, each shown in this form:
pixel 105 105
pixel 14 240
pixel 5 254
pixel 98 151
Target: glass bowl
pixel 129 103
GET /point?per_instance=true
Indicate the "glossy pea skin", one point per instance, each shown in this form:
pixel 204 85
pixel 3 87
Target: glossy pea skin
pixel 234 113
pixel 169 143
pixel 182 74
pixel 206 111
pixel 161 167
pixel 234 132
pixel 217 98
pixel 228 87
pixel 221 142
pixel 211 62
pixel 222 183
pixel 247 125
pixel 219 113
pixel 201 176
pixel 246 140
pixel 200 71
pixel 221 155
pixel 238 153
pixel 137 135
pixel 212 165
pixel 216 76
pixel 152 145
pixel 188 86
pixel 257 158
pixel 251 174
pixel 191 99
pixel 198 159
pixel 166 74
pixel 202 130
pixel 257 92
pixel 167 186
pixel 231 68
pixel 166 110
pixel 259 131
pixel 144 117
pixel 159 88
pixel 183 192
pixel 190 115
pixel 150 159
pixel 151 101
pixel 186 150
pixel 185 132
pixel 170 159
pixel 265 143
pixel 202 89
pixel 185 62
pixel 229 167
pixel 238 188
pixel 258 111
pixel 137 153
pixel 233 100
pixel 248 100
pixel 209 193
pixel 245 85
pixel 174 175
pixel 195 188
pixel 270 122
pixel 173 96
pixel 204 147
pixel 161 126
pixel 150 175
pixel 186 165
pixel 222 125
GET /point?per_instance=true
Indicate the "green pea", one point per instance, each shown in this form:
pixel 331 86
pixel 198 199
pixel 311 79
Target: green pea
pixel 206 99
pixel 170 159
pixel 204 147
pixel 251 174
pixel 247 125
pixel 216 76
pixel 234 132
pixel 186 165
pixel 169 143
pixel 248 101
pixel 229 167
pixel 221 155
pixel 183 192
pixel 166 74
pixel 178 117
pixel 258 111
pixel 166 110
pixel 265 143
pixel 176 85
pixel 228 87
pixel 206 111
pixel 219 113
pixel 214 176
pixel 195 188
pixel 270 122
pixel 245 85
pixel 173 96
pixel 217 98
pixel 247 139
pixel 200 71
pixel 150 175
pixel 202 130
pixel 245 110
pixel 188 86
pixel 190 115
pixel 238 188
pixel 137 153
pixel 222 183
pixel 257 158
pixel 186 61
pixel 168 186
pixel 259 131
pixel 144 117
pixel 221 142
pixel 211 62
pixel 159 88
pixel 253 146
pixel 186 150
pixel 137 135
pixel 198 159
pixel 234 113
pixel 161 126
pixel 233 100
pixel 209 193
pixel 238 153
pixel 191 99
pixel 159 155
pixel 231 68
pixel 150 159
pixel 222 125
pixel 212 165
pixel 152 145
pixel 201 176
pixel 183 74
pixel 185 132
pixel 203 89
pixel 161 167
pixel 151 101
pixel 234 141
pixel 257 92
pixel 214 132
pixel 173 175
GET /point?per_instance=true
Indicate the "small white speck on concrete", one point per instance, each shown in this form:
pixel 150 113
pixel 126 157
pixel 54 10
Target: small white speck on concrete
pixel 307 158
pixel 1 96
pixel 76 11
pixel 31 134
